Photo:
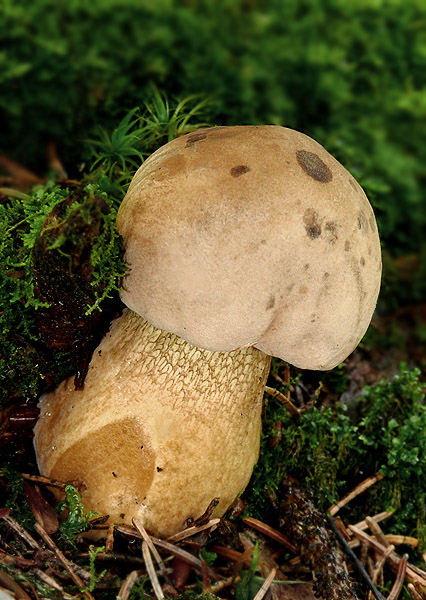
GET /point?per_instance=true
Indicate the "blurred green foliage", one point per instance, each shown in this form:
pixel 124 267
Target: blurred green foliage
pixel 352 74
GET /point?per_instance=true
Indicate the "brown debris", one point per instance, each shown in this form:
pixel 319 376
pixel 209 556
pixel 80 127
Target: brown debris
pixel 285 400
pixel 44 514
pixel 67 564
pixel 20 175
pixel 270 532
pixel 413 574
pixel 316 543
pixel 10 584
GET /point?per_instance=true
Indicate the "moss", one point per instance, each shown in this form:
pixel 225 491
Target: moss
pixel 63 262
pixel 14 497
pixel 330 450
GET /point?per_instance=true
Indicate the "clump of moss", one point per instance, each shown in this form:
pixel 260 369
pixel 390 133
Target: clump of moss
pixel 12 493
pixel 62 259
pixel 329 450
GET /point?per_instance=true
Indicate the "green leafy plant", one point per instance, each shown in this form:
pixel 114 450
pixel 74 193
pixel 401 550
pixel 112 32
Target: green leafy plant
pixel 249 583
pixel 77 518
pixel 118 150
pixel 117 155
pixel 94 577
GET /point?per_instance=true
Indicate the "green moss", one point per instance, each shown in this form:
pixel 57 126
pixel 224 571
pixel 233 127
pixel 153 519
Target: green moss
pixel 62 258
pixel 14 497
pixel 330 450
pixel 77 518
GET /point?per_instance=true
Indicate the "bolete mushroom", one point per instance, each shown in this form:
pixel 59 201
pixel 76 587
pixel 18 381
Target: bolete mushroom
pixel 242 242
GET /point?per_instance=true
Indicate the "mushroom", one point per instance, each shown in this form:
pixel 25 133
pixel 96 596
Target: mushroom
pixel 242 242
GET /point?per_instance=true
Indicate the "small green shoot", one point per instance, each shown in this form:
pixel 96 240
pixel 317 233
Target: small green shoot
pixel 209 557
pixel 117 155
pixel 249 584
pixel 94 578
pixel 77 518
pixel 119 149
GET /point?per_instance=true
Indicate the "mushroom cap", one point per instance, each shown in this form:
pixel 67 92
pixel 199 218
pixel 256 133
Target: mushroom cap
pixel 160 429
pixel 240 236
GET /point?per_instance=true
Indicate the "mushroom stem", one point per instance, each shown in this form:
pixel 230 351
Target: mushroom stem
pixel 160 428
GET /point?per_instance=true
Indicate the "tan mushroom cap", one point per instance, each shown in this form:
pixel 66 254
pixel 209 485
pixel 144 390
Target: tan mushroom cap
pixel 239 236
pixel 160 429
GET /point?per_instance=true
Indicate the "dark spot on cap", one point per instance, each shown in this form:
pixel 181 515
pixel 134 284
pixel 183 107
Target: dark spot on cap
pixel 159 469
pixel 354 184
pixel 314 317
pixel 114 474
pixel 192 138
pixel 239 170
pixel 312 224
pixel 263 242
pixel 290 287
pixel 362 261
pixel 314 166
pixel 331 229
pixel 362 222
pixel 271 303
pixel 347 245
pixel 305 267
pixel 326 275
pixel 303 289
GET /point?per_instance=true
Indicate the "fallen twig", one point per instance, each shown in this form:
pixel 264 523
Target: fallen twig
pixel 378 518
pixel 151 571
pixel 21 531
pixel 378 567
pixel 177 537
pixel 45 481
pixel 67 564
pixel 18 172
pixel 271 533
pixel 127 584
pixel 293 410
pixel 400 540
pixel 360 568
pixel 138 524
pixel 266 585
pixel 377 531
pixel 183 554
pixel 400 576
pixel 359 489
pixel 413 592
pixel 393 558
